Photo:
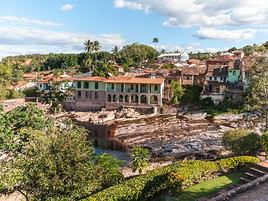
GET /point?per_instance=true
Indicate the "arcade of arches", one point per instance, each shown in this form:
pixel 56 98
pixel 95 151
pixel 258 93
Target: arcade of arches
pixel 133 99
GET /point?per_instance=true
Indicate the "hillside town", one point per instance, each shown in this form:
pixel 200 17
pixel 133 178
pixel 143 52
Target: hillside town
pixel 224 76
pixel 133 100
pixel 176 108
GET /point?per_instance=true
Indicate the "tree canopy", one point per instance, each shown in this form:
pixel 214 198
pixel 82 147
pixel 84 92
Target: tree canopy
pixel 47 159
pixel 137 54
pixel 258 89
pixel 241 142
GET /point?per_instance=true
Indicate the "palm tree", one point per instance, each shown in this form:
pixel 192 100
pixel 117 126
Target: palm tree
pixel 155 41
pixel 115 53
pixel 88 46
pixel 163 51
pixel 96 46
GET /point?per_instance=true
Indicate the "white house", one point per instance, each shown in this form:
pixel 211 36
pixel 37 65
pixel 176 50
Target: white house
pixel 169 57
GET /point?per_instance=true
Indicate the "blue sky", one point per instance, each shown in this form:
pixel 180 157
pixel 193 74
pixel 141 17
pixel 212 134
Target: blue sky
pixel 44 26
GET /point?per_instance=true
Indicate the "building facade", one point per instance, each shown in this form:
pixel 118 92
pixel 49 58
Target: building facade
pixel 224 77
pixel 94 93
pixel 169 58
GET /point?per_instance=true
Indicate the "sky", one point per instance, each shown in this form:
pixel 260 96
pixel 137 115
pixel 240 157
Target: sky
pixel 55 26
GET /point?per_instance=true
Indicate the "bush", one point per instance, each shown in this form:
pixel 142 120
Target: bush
pixel 206 103
pixel 177 175
pixel 31 92
pixel 241 142
pixel 264 142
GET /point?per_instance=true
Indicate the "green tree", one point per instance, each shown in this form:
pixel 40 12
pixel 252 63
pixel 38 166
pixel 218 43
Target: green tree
pixel 137 55
pixel 192 95
pixel 178 91
pixel 96 46
pixel 241 142
pixel 115 53
pixel 88 45
pixel 91 46
pixel 264 142
pixel 232 49
pixel 55 95
pixel 258 90
pixel 248 50
pixel 55 165
pixel 140 159
pixel 12 141
pixel 104 70
pixel 5 79
pixel 109 170
pixel 155 41
pixel 49 160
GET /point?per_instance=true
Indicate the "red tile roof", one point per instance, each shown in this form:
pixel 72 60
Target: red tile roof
pixel 196 70
pixel 126 80
pixel 134 80
pixel 93 79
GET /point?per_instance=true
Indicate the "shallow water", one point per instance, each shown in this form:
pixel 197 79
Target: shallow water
pixel 121 155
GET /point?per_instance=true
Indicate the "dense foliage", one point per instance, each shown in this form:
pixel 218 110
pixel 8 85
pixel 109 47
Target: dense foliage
pixel 264 142
pixel 154 182
pixel 55 95
pixel 50 160
pixel 178 91
pixel 241 142
pixel 191 95
pixel 137 55
pixel 140 159
pixel 9 75
pixel 257 92
pixel 200 55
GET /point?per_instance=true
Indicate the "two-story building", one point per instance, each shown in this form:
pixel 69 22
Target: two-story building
pixel 169 58
pixel 94 93
pixel 224 77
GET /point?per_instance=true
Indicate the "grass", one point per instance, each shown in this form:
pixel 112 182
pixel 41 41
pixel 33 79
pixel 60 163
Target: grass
pixel 207 188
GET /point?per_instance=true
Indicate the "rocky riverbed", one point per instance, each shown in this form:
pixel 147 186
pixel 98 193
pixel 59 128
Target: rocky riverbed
pixel 170 136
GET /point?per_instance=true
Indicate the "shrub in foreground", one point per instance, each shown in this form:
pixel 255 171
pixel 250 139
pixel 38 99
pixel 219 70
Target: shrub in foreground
pixel 176 175
pixel 241 142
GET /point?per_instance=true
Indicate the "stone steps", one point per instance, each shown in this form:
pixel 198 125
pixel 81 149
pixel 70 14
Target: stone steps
pixel 254 172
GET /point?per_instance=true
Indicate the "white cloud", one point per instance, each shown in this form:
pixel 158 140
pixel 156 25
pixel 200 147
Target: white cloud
pixel 31 40
pixel 207 14
pixel 67 7
pixel 13 20
pixel 190 13
pixel 128 4
pixel 223 34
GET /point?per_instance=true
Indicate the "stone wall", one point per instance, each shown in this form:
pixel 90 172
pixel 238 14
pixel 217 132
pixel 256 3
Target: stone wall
pixel 241 189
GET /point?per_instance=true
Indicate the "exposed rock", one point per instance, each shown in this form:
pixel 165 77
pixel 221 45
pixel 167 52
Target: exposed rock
pixel 170 135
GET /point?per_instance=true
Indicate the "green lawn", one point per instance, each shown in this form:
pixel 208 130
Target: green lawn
pixel 207 188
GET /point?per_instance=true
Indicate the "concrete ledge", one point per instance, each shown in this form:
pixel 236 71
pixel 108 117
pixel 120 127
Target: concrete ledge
pixel 240 189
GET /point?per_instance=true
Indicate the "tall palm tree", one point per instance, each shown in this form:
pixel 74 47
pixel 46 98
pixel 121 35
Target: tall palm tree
pixel 115 53
pixel 96 46
pixel 155 41
pixel 88 45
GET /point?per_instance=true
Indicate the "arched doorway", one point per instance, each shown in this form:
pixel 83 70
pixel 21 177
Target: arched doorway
pixel 121 98
pixel 144 99
pixel 114 98
pixel 109 99
pixel 154 100
pixel 134 99
pixel 126 99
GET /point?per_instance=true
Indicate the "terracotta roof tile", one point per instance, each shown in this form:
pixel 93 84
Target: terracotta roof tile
pixel 127 80
pixel 197 70
pixel 134 80
pixel 95 78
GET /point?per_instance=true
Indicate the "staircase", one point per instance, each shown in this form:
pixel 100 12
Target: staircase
pixel 254 171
